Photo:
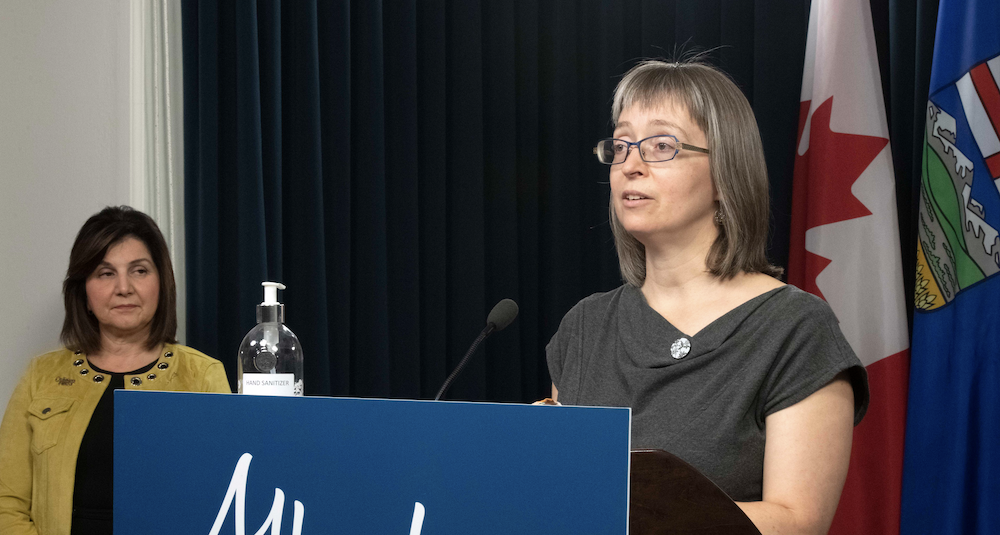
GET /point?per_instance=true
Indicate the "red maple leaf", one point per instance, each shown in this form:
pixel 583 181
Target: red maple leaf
pixel 821 188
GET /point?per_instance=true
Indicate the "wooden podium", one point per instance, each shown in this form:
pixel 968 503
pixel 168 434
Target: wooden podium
pixel 669 496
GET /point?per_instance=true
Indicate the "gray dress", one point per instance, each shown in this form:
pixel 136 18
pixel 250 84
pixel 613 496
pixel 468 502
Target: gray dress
pixel 708 406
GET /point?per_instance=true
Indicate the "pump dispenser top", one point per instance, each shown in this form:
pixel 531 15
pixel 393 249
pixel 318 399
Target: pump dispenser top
pixel 271 311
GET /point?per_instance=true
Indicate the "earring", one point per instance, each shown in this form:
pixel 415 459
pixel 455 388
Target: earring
pixel 720 217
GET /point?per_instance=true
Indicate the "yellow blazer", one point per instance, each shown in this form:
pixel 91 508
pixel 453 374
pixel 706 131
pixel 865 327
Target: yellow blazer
pixel 46 418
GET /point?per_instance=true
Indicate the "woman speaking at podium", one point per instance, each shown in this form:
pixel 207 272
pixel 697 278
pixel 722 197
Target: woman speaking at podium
pixel 748 379
pixel 56 446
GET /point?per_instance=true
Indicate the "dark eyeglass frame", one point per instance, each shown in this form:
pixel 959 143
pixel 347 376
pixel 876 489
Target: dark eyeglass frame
pixel 678 147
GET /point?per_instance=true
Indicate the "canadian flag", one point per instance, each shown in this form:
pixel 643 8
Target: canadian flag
pixel 845 244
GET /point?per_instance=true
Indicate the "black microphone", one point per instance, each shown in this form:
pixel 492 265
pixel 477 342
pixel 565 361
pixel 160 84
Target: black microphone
pixel 500 317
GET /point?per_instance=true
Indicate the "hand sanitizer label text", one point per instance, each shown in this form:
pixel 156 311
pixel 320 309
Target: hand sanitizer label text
pixel 269 384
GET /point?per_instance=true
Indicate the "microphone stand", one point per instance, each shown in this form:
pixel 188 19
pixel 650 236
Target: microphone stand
pixel 488 330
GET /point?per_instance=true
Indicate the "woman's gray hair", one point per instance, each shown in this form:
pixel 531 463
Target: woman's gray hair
pixel 736 163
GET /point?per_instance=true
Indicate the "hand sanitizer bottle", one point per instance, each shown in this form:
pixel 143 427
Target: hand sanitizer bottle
pixel 270 359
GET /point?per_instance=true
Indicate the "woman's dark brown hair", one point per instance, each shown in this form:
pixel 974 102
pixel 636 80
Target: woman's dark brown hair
pixel 107 228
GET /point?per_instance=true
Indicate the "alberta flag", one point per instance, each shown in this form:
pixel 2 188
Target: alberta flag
pixel 952 466
pixel 845 244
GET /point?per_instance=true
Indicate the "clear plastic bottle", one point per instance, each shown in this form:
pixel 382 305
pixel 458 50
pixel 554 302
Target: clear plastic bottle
pixel 270 359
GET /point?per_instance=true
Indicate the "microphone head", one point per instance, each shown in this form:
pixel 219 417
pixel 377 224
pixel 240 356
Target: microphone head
pixel 502 314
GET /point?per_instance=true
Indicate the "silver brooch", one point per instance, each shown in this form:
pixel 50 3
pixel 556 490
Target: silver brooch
pixel 680 348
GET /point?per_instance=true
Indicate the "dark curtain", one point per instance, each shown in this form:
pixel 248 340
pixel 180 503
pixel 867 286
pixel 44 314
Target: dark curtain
pixel 401 166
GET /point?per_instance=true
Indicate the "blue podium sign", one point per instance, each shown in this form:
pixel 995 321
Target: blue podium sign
pixel 226 464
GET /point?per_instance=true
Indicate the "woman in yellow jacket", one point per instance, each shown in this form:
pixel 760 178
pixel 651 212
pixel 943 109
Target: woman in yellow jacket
pixel 56 448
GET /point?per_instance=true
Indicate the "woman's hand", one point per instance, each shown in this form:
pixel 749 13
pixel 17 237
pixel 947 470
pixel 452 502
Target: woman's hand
pixel 806 456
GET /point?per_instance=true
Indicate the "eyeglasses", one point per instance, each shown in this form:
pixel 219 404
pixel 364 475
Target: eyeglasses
pixel 653 149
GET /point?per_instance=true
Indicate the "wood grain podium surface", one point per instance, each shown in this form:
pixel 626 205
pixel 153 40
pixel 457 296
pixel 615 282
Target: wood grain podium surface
pixel 669 496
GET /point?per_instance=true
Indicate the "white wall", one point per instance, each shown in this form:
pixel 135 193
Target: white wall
pixel 64 155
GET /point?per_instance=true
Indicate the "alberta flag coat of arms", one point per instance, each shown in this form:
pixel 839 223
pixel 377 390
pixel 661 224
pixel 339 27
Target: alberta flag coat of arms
pixel 958 247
